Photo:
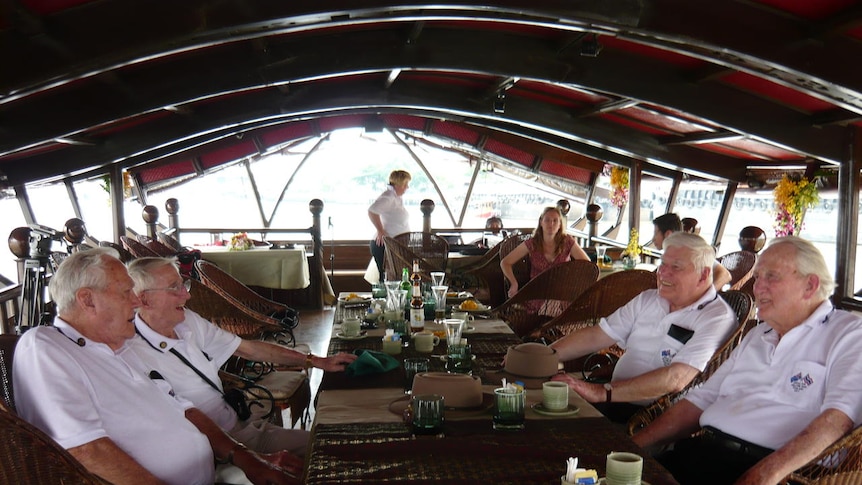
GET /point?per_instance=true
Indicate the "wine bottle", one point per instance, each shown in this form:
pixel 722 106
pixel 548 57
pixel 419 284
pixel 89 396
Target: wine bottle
pixel 417 310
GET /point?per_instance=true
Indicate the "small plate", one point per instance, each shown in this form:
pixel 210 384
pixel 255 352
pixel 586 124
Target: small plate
pixel 469 329
pixel 445 358
pixel 479 309
pixel 539 408
pixel 355 337
pixel 358 299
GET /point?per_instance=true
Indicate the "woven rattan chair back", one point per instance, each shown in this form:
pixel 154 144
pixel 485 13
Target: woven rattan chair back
pixel 740 265
pixel 137 249
pixel 596 302
pixel 169 241
pixel 125 255
pixel 212 306
pixel 247 300
pixel 433 250
pixel 398 256
pixel 30 457
pixel 483 277
pixel 547 295
pixel 7 351
pixel 158 248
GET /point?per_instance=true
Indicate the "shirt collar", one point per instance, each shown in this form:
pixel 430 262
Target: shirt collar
pixel 708 297
pixel 78 338
pixel 155 339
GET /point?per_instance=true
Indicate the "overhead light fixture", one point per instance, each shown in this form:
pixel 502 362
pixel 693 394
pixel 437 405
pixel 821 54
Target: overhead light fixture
pixel 500 103
pixel 590 46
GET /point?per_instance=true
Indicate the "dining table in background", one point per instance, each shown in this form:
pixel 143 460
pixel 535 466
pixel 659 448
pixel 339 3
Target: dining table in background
pixel 283 269
pixel 359 434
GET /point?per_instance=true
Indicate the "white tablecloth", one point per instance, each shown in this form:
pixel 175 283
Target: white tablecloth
pixel 285 269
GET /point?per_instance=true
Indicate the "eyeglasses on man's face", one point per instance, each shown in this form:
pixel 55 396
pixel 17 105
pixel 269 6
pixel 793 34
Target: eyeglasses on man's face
pixel 176 289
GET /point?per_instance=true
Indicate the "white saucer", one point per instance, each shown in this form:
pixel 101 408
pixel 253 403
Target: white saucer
pixel 539 408
pixel 355 337
pixel 469 329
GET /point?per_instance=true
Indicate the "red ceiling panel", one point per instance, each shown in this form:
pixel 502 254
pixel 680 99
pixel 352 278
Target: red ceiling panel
pixel 406 122
pixel 509 152
pixel 769 89
pixel 151 174
pixel 455 131
pixel 631 123
pixel 725 150
pixel 570 172
pixel 810 9
pixel 657 119
pixel 285 133
pixel 762 148
pixel 674 58
pixel 228 153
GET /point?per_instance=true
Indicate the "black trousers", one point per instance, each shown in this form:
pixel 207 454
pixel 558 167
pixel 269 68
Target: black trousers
pixel 377 253
pixel 618 412
pixel 699 461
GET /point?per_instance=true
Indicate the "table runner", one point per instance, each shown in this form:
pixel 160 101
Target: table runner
pixel 471 452
pixel 489 350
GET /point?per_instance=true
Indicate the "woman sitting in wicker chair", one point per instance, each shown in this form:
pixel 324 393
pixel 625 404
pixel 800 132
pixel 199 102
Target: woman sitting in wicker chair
pixel 549 246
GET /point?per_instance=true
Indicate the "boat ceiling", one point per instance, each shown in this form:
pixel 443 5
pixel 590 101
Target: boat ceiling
pixel 729 90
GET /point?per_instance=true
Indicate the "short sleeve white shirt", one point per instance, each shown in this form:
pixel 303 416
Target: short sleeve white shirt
pixel 394 217
pixel 77 390
pixel 769 389
pixel 641 327
pixel 205 346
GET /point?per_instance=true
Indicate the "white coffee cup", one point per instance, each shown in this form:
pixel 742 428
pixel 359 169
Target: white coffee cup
pixel 425 341
pixel 555 395
pixel 465 317
pixel 351 327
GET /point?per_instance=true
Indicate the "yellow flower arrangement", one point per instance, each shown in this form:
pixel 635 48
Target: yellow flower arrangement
pixel 240 242
pixel 793 195
pixel 619 186
pixel 634 249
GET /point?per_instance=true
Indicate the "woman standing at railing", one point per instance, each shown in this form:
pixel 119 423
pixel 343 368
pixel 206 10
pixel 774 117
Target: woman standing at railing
pixel 549 246
pixel 388 215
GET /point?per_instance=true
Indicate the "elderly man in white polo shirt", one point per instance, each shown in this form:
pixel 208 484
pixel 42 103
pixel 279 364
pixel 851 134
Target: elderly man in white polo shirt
pixel 80 383
pixel 787 392
pixel 669 333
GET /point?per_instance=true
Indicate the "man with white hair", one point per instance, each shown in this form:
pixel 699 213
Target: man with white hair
pixel 669 333
pixel 789 390
pixel 80 383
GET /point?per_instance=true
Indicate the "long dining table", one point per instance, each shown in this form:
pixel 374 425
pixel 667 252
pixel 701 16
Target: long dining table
pixel 359 434
pixel 283 269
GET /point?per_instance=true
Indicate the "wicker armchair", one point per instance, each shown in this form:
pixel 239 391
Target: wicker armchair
pixel 522 267
pixel 30 457
pixel 157 247
pixel 169 241
pixel 547 295
pixel 743 306
pixel 483 277
pixel 249 301
pixel 125 255
pixel 137 249
pixel 7 350
pixel 597 302
pixel 739 264
pixel 286 387
pixel 432 250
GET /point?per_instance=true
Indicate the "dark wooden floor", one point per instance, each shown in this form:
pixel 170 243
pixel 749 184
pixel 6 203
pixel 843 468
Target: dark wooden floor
pixel 314 330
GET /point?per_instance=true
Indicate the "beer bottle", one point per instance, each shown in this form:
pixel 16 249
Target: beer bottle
pixel 417 309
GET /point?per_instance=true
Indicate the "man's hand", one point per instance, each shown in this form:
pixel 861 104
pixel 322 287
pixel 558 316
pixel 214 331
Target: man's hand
pixel 261 471
pixel 590 392
pixel 335 363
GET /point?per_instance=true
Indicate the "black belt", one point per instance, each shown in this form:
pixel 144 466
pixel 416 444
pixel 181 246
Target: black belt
pixel 733 443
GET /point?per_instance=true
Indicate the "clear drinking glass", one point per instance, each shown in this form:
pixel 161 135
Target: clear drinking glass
pixel 427 414
pixel 411 368
pixel 453 331
pixel 439 293
pixel 437 278
pixel 509 408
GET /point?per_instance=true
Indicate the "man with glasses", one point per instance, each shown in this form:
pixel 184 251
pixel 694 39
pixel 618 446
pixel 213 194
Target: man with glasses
pixel 182 345
pixel 80 383
pixel 789 390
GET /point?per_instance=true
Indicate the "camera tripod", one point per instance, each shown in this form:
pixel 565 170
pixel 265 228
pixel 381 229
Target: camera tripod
pixel 33 309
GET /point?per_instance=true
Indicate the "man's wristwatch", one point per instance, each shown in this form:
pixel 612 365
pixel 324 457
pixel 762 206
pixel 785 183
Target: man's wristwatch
pixel 609 390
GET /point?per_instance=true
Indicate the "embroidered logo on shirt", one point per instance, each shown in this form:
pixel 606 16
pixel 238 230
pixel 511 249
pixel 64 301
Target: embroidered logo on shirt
pixel 666 357
pixel 799 383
